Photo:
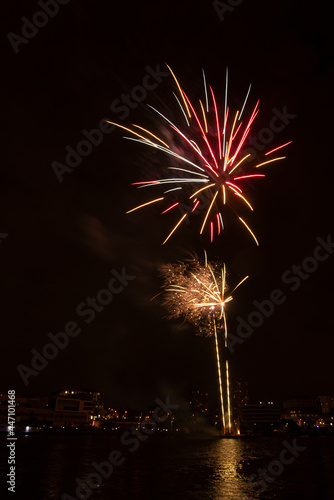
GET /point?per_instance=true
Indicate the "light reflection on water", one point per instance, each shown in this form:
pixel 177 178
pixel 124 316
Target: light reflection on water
pixel 225 458
pixel 224 462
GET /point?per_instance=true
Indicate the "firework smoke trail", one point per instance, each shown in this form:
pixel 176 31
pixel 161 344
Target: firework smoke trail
pixel 210 169
pixel 198 293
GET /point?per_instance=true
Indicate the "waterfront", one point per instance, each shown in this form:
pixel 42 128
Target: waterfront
pixel 173 467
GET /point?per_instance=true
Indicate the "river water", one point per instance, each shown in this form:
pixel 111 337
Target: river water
pixel 172 467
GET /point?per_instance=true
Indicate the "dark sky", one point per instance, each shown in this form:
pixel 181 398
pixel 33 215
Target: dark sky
pixel 64 238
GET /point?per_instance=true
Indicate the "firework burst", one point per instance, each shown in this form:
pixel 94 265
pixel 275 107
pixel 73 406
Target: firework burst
pixel 210 169
pixel 198 293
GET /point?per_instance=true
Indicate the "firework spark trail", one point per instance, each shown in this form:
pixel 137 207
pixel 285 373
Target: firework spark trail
pixel 219 377
pixel 210 147
pixel 228 397
pixel 198 293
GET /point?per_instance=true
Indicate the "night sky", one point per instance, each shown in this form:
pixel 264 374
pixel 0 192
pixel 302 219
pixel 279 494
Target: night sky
pixel 65 238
